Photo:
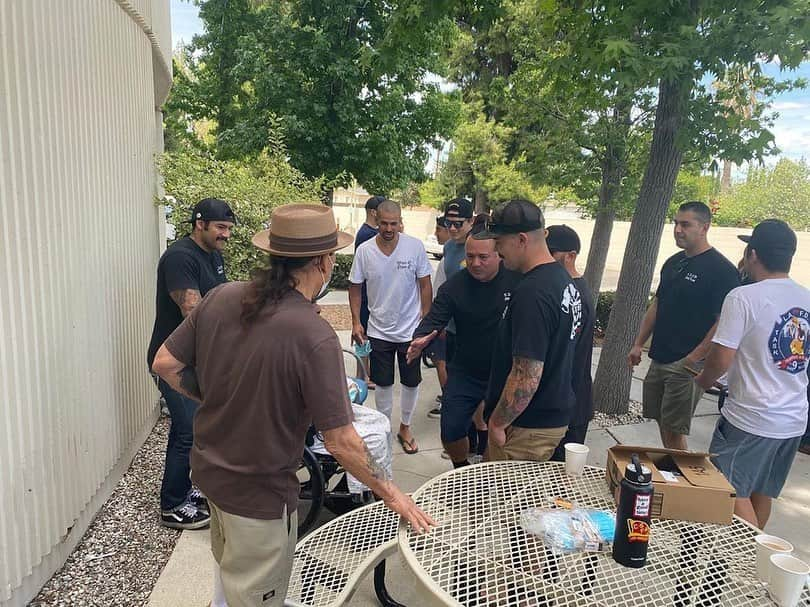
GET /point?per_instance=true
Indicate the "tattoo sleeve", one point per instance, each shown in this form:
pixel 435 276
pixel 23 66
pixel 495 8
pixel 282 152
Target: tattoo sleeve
pixel 189 383
pixel 186 300
pixel 521 384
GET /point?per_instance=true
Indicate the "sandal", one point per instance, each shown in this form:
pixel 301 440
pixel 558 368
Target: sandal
pixel 408 446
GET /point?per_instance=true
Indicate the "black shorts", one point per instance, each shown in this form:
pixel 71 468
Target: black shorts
pixel 382 364
pixel 436 350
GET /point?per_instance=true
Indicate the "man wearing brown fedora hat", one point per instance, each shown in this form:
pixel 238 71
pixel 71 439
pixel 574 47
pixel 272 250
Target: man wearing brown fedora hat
pixel 282 372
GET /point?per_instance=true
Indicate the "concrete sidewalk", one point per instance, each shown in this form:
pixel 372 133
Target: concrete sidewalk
pixel 186 580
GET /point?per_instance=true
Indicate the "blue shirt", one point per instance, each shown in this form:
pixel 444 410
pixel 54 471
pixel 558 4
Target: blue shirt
pixel 455 259
pixel 366 232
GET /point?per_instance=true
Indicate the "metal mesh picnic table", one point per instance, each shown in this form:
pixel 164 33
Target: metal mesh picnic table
pixel 480 556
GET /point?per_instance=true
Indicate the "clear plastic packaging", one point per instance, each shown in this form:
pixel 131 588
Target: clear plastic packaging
pixel 574 530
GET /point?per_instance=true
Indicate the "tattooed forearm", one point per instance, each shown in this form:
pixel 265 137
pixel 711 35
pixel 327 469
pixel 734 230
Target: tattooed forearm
pixel 377 472
pixel 189 383
pixel 186 300
pixel 520 387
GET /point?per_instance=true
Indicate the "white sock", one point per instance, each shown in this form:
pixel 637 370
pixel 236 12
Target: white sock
pixel 219 590
pixel 384 400
pixel 407 403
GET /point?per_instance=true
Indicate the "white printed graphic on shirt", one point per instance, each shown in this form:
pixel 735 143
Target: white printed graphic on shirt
pixel 572 304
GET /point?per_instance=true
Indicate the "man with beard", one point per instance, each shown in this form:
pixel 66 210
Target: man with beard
pixel 187 270
pixel 397 272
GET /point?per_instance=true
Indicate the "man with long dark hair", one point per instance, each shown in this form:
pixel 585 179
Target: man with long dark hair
pixel 265 366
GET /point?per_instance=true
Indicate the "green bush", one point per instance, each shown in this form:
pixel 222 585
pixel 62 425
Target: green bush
pixel 340 275
pixel 782 191
pixel 252 188
pixel 603 306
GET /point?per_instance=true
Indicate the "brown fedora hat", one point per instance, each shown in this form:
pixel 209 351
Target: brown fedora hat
pixel 301 230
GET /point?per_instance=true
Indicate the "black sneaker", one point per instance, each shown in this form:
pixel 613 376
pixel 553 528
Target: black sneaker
pixel 196 497
pixel 436 412
pixel 185 516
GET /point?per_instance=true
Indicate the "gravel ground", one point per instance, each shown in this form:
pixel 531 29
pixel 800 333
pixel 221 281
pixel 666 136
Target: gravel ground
pixel 633 416
pixel 339 316
pixel 119 559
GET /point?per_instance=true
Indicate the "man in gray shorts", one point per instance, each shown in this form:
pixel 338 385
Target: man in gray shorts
pixel 763 340
pixel 682 318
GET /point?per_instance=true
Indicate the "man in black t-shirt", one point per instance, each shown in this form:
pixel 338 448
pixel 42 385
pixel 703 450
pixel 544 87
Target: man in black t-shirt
pixel 474 298
pixel 564 245
pixel 529 398
pixel 187 270
pixel 682 319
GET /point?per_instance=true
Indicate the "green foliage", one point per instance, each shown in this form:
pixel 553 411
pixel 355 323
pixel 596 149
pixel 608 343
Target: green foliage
pixel 781 192
pixel 344 82
pixel 603 307
pixel 340 275
pixel 251 188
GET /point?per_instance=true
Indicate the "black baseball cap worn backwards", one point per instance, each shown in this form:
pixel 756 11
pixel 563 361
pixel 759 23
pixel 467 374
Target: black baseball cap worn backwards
pixel 562 239
pixel 212 209
pixel 459 207
pixel 513 217
pixel 771 235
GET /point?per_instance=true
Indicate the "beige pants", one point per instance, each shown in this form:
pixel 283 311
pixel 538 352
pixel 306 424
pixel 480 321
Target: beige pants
pixel 533 444
pixel 255 557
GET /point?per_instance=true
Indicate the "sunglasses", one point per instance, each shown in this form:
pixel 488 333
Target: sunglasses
pixel 454 223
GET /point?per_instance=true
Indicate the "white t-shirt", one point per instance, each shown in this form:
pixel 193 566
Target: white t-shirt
pixel 439 277
pixel 768 323
pixel 394 302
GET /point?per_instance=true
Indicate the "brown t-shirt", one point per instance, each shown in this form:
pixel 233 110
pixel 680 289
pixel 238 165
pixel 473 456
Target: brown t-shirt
pixel 262 387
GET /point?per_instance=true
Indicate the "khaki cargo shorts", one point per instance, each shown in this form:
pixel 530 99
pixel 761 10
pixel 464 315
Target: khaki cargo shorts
pixel 255 557
pixel 670 396
pixel 533 444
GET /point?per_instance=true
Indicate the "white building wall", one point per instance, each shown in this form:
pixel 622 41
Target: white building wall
pixel 79 86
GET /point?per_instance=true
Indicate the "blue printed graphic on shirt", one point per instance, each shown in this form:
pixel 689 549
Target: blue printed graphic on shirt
pixel 790 341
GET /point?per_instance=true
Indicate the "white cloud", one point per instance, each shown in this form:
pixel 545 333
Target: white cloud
pixel 780 106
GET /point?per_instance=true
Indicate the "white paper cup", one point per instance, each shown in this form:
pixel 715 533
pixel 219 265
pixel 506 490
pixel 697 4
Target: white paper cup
pixel 766 546
pixel 788 576
pixel 575 457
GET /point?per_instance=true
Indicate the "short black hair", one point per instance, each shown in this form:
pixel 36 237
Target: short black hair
pixel 772 260
pixel 700 209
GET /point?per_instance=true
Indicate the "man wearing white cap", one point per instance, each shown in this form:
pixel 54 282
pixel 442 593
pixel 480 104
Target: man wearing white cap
pixel 283 371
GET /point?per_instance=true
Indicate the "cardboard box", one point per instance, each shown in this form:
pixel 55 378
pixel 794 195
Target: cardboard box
pixel 687 485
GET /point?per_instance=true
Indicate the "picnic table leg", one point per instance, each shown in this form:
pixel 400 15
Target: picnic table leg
pixel 379 587
pixel 711 584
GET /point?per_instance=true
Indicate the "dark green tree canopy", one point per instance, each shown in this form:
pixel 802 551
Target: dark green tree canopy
pixel 351 98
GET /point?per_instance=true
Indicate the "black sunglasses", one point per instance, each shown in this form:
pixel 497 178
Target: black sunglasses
pixel 454 223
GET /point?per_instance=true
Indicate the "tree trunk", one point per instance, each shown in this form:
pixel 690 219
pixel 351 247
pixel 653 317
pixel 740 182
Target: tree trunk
pixel 597 253
pixel 481 201
pixel 613 166
pixel 612 384
pixel 725 180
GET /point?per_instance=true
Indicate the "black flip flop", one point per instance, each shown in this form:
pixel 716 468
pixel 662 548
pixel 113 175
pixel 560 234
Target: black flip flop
pixel 408 446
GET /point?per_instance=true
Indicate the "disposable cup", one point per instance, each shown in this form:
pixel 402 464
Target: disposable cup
pixel 766 546
pixel 788 576
pixel 576 455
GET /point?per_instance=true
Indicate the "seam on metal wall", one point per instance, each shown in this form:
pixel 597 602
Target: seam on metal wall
pixel 130 10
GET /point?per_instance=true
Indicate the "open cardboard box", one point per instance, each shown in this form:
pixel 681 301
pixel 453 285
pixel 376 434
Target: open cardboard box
pixel 687 486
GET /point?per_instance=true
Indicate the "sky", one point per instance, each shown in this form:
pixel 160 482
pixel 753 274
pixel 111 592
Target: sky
pixel 791 129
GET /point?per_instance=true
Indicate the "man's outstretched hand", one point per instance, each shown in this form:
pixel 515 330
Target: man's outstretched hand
pixel 403 505
pixel 417 345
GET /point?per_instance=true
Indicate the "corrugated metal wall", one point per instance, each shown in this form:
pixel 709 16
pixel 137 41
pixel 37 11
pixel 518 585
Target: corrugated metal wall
pixel 78 248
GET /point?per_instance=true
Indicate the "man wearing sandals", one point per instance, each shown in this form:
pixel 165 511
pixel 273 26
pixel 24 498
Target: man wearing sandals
pixel 396 271
pixel 283 371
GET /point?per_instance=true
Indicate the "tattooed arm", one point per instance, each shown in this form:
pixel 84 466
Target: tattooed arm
pixel 177 374
pixel 186 300
pixel 351 452
pixel 521 384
